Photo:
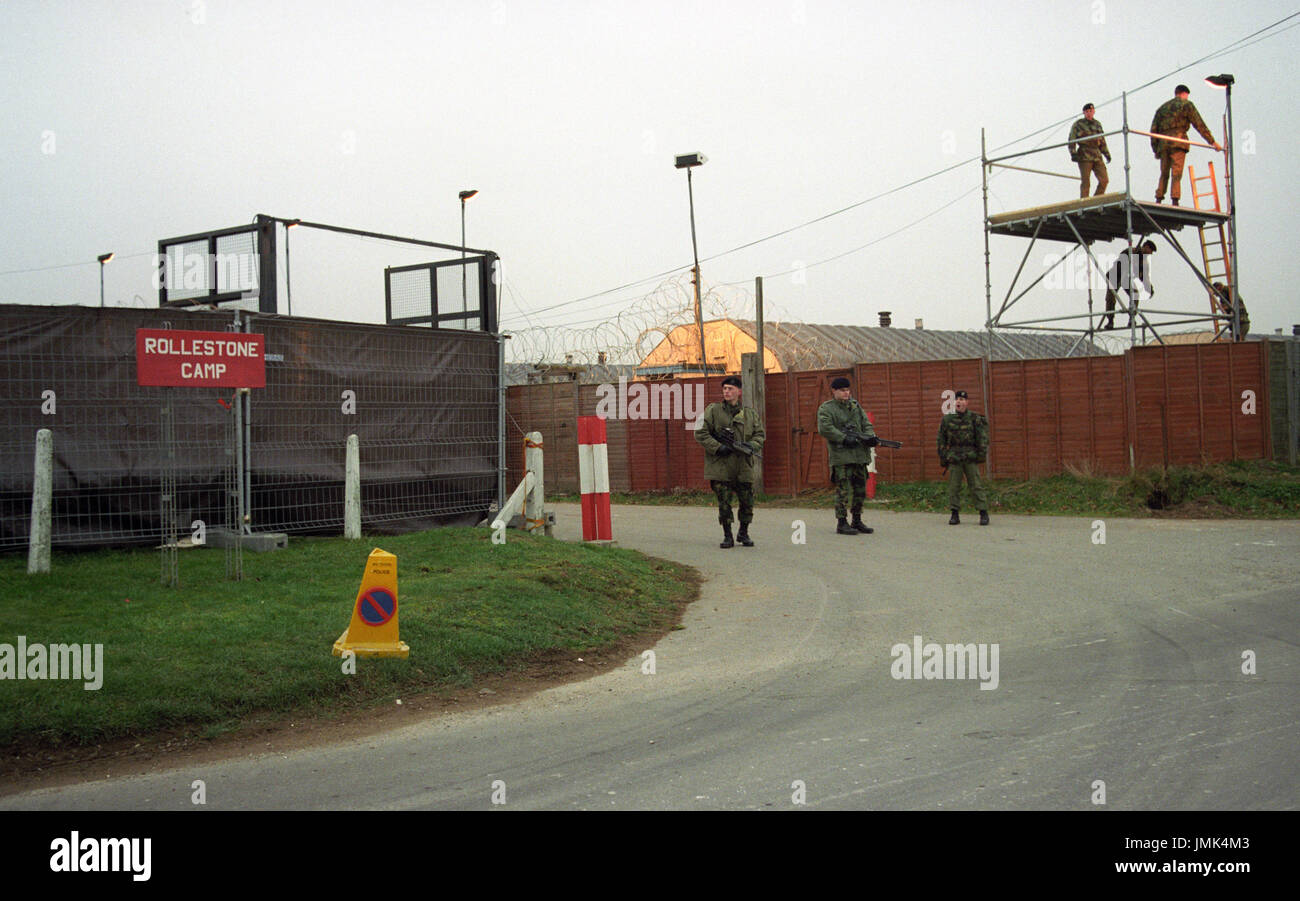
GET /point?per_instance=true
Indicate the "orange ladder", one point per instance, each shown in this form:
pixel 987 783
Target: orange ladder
pixel 1215 252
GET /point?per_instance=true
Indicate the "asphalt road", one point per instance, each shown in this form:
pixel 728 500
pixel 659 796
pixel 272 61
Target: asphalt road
pixel 1119 678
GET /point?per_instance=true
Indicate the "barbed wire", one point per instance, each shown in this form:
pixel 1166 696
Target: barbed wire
pixel 634 332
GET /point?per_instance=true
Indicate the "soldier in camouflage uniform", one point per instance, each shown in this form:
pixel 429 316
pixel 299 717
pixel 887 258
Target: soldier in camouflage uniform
pixel 849 458
pixel 1088 152
pixel 731 472
pixel 1173 119
pixel 1224 298
pixel 964 443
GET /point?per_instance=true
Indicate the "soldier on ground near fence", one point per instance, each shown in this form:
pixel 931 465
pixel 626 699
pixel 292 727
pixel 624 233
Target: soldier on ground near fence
pixel 963 444
pixel 849 454
pixel 1172 119
pixel 1088 150
pixel 732 434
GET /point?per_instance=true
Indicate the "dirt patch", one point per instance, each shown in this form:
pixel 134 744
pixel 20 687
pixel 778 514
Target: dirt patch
pixel 30 767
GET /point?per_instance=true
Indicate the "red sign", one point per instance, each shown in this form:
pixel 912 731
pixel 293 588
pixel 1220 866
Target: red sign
pixel 170 358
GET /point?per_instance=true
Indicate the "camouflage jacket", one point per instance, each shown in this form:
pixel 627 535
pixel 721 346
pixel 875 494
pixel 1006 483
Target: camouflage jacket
pixel 1173 118
pixel 744 421
pixel 1088 150
pixel 963 438
pixel 832 418
pixel 1224 299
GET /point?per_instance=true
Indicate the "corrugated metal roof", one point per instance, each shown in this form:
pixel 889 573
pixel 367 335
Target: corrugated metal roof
pixel 808 345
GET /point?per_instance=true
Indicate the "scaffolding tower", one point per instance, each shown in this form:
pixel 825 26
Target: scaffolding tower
pixel 1110 217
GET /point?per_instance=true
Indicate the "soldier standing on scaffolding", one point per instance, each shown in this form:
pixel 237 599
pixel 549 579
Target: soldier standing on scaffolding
pixel 1172 119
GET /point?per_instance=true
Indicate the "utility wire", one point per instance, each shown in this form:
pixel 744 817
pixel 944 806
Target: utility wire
pixel 124 256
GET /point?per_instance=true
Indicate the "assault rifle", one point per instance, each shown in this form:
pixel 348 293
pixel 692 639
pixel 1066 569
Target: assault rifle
pixel 727 438
pixel 853 437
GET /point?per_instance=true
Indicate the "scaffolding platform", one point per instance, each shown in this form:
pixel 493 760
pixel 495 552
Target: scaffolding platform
pixel 1101 218
pixel 1084 222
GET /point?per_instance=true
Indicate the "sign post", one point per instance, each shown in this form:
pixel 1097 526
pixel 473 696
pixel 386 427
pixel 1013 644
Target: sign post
pixel 171 358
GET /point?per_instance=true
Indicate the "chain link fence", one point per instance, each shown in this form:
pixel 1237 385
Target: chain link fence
pixel 423 403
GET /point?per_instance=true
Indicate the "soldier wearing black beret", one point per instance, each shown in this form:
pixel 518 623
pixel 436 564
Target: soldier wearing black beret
pixel 729 471
pixel 849 455
pixel 963 444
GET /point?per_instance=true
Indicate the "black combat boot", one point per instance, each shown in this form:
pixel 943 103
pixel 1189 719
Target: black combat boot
pixel 954 520
pixel 860 525
pixel 743 535
pixel 842 527
pixel 726 536
pixel 984 517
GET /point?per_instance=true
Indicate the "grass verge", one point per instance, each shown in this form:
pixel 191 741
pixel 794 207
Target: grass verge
pixel 1254 489
pixel 205 657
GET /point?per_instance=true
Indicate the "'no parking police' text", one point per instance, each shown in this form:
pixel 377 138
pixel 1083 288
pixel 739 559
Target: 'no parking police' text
pixel 170 358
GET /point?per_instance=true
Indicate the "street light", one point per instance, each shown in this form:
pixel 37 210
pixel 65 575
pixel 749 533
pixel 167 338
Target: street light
pixel 689 161
pixel 1226 81
pixel 464 196
pixel 103 258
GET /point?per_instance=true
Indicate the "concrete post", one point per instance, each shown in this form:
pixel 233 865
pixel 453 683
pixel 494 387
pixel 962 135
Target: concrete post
pixel 537 496
pixel 38 554
pixel 352 491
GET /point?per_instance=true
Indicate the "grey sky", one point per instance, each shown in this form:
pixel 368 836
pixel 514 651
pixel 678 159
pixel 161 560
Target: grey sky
pixel 128 122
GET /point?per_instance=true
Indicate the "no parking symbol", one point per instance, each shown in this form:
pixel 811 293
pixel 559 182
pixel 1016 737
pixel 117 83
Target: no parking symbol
pixel 376 606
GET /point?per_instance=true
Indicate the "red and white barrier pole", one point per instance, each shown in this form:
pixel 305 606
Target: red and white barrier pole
pixel 593 479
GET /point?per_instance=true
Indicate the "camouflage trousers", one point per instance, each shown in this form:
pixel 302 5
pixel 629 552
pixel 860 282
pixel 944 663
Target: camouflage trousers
pixel 1086 169
pixel 972 473
pixel 744 492
pixel 850 488
pixel 1171 173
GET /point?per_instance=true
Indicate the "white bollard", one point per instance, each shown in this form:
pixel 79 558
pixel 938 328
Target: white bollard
pixel 529 498
pixel 535 503
pixel 38 553
pixel 352 490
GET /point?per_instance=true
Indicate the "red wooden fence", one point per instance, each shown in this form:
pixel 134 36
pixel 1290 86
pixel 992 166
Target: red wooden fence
pixel 1180 404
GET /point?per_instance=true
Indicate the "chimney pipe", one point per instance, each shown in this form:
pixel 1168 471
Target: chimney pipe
pixel 920 324
pixel 884 318
pixel 1295 330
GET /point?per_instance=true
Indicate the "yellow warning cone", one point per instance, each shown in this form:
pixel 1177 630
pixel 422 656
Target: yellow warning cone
pixel 373 630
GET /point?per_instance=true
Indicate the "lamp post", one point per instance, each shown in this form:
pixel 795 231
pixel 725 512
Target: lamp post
pixel 1226 82
pixel 689 161
pixel 288 285
pixel 464 196
pixel 103 258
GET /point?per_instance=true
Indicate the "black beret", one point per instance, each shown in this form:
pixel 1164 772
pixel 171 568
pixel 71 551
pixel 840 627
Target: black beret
pixel 961 394
pixel 732 380
pixel 1088 106
pixel 839 383
pixel 1182 89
